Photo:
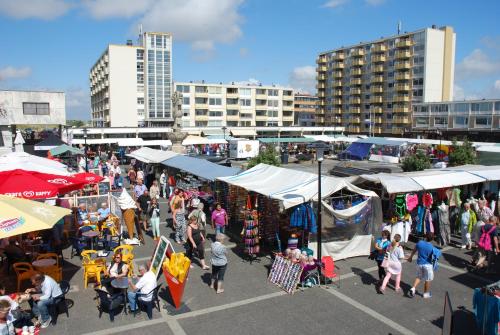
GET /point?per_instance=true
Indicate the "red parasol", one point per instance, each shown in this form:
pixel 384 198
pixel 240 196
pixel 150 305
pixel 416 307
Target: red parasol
pixel 88 178
pixel 36 185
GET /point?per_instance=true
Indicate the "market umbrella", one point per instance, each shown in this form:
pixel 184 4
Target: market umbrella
pixel 64 148
pixel 16 160
pixel 20 216
pixel 36 185
pixel 88 177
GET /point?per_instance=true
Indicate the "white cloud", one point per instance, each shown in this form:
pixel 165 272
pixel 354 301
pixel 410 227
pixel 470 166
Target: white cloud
pixel 77 103
pixel 243 52
pixel 10 72
pixel 492 42
pixel 477 64
pixel 201 23
pixel 102 9
pixel 250 81
pixel 375 2
pixel 303 79
pixel 458 92
pixel 496 85
pixel 34 9
pixel 334 3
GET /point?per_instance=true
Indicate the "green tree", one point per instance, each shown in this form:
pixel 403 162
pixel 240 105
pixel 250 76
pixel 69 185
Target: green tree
pixel 461 154
pixel 76 123
pixel 417 162
pixel 268 156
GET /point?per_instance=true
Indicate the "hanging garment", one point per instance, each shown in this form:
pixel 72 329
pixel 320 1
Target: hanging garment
pixel 400 205
pixel 303 217
pixel 402 228
pixel 442 194
pixel 444 223
pixel 454 197
pixel 427 200
pixel 411 201
pixel 428 225
pixel 420 221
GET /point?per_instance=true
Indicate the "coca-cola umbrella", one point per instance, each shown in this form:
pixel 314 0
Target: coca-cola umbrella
pixel 88 177
pixel 36 185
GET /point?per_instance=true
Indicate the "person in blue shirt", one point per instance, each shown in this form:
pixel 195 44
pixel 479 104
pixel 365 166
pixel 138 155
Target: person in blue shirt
pixel 103 212
pixel 425 271
pixel 381 245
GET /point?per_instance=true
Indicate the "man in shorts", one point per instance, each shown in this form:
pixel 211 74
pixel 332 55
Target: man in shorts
pixel 425 270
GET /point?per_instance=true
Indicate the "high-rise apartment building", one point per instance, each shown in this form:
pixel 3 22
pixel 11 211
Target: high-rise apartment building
pixel 216 105
pixel 304 109
pixel 370 87
pixel 131 85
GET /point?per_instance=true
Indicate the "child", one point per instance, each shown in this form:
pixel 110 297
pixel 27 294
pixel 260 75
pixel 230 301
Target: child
pixel 395 253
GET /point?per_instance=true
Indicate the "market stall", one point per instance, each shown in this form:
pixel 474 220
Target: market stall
pixel 282 199
pixel 376 149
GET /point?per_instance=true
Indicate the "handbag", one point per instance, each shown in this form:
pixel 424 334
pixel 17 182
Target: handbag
pixel 385 262
pixel 373 255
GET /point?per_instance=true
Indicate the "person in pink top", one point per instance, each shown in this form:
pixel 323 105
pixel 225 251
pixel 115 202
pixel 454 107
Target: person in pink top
pixel 219 219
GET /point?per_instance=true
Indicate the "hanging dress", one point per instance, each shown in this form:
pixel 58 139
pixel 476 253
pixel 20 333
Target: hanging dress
pixel 251 233
pixel 400 205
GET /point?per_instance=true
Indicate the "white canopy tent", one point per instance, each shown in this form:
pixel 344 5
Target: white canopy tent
pixel 293 188
pixel 195 140
pixel 161 143
pixel 148 155
pixel 433 179
pixel 25 161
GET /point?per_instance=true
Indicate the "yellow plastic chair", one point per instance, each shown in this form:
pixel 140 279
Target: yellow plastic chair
pixel 92 268
pixel 24 271
pixel 127 252
pixel 54 271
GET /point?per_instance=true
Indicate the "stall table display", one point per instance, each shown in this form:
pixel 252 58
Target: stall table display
pixel 285 274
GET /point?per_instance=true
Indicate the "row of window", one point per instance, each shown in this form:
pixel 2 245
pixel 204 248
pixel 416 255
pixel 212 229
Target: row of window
pixel 462 107
pixel 36 108
pixel 229 90
pixel 458 122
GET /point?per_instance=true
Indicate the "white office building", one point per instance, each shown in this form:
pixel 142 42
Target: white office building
pixel 131 85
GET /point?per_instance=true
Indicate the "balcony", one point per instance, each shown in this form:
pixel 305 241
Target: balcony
pixel 321 76
pixel 357 62
pixel 402 76
pixel 355 110
pixel 261 118
pixel 337 101
pixel 377 130
pixel 201 94
pixel 402 66
pixel 318 86
pixel 337 93
pixel 401 120
pixel 356 72
pixel 201 106
pixel 397 130
pixel 232 117
pixel 288 97
pixel 337 83
pixel 377 89
pixel 402 87
pixel 402 54
pixel 338 66
pixel 378 110
pixel 201 117
pixel 322 68
pixel 353 129
pixel 337 74
pixel 355 91
pixel 401 98
pixel 337 111
pixel 355 120
pixel 339 56
pixel 377 79
pixel 355 81
pixel 406 43
pixel 321 94
pixel 322 59
pixel 377 120
pixel 288 108
pixel 355 101
pixel 376 100
pixel 377 68
pixel 401 110
pixel 264 96
pixel 379 48
pixel 322 102
pixel 357 52
pixel 379 59
pixel 232 96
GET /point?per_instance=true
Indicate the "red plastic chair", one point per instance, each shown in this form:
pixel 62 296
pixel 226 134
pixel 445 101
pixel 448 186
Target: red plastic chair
pixel 328 270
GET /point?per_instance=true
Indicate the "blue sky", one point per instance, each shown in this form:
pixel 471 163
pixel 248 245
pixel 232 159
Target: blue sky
pixel 51 44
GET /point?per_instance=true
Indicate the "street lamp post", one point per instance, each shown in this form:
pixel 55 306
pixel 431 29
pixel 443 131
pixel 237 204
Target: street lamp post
pixel 85 132
pixel 224 128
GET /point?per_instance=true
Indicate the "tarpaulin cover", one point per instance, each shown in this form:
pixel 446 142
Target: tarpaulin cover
pixel 65 148
pixel 50 142
pixel 357 151
pixel 291 187
pixel 148 155
pixel 200 167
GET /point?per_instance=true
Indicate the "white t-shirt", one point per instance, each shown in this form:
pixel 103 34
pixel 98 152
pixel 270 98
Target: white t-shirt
pixel 146 285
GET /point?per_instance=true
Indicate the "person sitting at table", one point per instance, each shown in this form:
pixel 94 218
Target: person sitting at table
pixel 82 214
pixel 117 269
pixel 6 322
pixel 48 290
pixel 145 285
pixel 16 315
pixel 14 252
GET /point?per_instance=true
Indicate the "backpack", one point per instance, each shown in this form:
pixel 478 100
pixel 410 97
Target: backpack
pixel 436 253
pixel 485 239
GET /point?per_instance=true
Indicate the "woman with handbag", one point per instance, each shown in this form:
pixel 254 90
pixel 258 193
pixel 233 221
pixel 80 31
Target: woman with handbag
pixel 392 264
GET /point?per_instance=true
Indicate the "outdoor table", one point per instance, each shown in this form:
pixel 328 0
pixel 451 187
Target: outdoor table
pixel 91 234
pixel 122 284
pixel 41 263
